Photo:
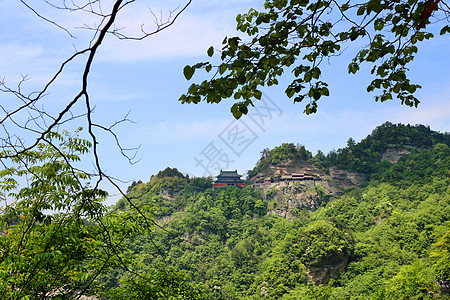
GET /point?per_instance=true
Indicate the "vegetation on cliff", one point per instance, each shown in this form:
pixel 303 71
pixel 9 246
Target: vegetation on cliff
pixel 387 239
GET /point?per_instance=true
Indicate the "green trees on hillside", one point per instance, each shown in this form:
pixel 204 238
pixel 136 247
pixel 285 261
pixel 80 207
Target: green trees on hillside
pixel 170 172
pixel 414 281
pixel 383 234
pixel 366 156
pixel 51 241
pixel 386 240
pixel 282 153
pixel 58 241
pixel 183 239
pixel 440 256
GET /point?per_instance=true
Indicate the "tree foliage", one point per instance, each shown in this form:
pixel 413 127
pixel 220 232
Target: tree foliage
pixel 367 156
pixel 42 253
pixel 57 238
pixel 282 153
pixel 297 36
pixel 58 241
pixel 386 240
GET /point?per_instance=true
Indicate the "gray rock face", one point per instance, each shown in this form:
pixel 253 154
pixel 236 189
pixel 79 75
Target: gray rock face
pixel 323 272
pixel 297 185
pixel 393 155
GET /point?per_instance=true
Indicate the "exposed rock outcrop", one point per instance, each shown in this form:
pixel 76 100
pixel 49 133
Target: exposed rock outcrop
pixel 321 273
pixel 299 184
pixel 393 155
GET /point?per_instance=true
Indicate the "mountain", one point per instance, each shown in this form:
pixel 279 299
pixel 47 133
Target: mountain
pixel 368 221
pixel 297 184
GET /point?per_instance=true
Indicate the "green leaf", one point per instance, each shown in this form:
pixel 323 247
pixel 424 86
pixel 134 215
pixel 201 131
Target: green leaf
pixel 361 10
pixel 345 6
pixel 343 35
pixel 316 73
pixel 188 72
pixel 396 88
pixel 243 108
pixel 324 91
pixel 258 95
pixel 235 111
pixel 210 51
pixel 290 92
pixel 445 29
pixel 222 69
pixel 353 68
pixel 307 77
pixel 193 89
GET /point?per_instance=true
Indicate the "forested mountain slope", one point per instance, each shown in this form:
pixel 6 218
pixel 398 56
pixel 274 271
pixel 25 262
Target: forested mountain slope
pixel 385 237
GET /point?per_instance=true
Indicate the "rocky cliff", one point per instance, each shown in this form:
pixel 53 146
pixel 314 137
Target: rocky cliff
pixel 298 184
pixel 393 155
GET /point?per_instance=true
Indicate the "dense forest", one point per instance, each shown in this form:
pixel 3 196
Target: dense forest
pixel 368 221
pixel 389 238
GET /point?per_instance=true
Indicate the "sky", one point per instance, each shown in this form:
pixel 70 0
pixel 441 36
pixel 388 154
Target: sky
pixel 143 81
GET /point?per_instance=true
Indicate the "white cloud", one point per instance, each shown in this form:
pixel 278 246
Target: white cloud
pixel 203 24
pixel 106 96
pixel 189 36
pixel 17 52
pixel 171 131
pixel 433 110
pixel 12 54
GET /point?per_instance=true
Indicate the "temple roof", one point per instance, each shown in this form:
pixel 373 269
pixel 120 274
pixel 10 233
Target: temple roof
pixel 224 173
pixel 229 177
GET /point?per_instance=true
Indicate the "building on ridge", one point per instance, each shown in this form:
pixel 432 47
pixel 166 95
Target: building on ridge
pixel 228 178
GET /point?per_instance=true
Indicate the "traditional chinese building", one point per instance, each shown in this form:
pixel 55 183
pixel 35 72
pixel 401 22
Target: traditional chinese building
pixel 228 178
pixel 261 181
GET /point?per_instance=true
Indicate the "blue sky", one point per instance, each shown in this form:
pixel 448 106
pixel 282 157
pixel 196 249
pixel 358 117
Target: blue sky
pixel 145 79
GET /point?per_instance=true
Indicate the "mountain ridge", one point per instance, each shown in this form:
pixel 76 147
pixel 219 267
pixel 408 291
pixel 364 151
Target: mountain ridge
pixel 380 235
